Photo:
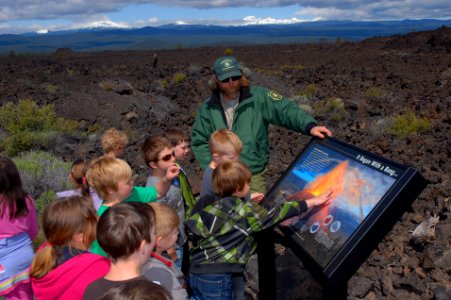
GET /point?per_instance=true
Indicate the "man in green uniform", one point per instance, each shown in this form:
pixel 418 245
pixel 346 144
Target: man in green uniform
pixel 247 111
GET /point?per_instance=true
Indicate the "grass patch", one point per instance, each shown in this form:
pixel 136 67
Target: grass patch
pixel 164 83
pixel 309 91
pixel 51 88
pixel 333 107
pixel 375 93
pixel 106 86
pixel 408 124
pixel 228 51
pixel 178 78
pixel 446 73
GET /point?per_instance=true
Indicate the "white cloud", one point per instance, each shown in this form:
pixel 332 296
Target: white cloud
pixel 376 10
pixel 330 9
pixel 76 13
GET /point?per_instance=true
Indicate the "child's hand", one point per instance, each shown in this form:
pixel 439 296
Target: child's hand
pixel 257 197
pixel 172 172
pixel 324 198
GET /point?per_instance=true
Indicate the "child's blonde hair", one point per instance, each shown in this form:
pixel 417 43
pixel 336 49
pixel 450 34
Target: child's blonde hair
pixel 113 139
pixel 106 172
pixel 230 176
pixel 61 221
pixel 166 219
pixel 221 137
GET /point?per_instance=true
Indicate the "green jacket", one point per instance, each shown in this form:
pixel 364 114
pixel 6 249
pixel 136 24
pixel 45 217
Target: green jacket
pixel 221 231
pixel 257 108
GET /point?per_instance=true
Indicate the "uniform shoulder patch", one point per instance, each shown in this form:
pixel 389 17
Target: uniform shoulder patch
pixel 274 96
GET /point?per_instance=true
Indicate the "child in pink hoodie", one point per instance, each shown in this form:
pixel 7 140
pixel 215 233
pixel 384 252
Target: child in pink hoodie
pixel 62 267
pixel 18 227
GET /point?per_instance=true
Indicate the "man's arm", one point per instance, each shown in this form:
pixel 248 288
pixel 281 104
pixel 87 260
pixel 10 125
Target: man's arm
pixel 284 112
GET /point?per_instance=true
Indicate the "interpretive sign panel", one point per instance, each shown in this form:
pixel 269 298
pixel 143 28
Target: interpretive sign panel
pixel 370 193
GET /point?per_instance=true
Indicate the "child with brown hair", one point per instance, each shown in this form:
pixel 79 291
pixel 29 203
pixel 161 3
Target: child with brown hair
pixel 180 145
pixel 138 289
pixel 179 141
pixel 159 156
pixel 222 230
pixel 63 267
pixel 18 228
pixel 126 232
pixel 113 143
pixel 159 269
pixel 77 177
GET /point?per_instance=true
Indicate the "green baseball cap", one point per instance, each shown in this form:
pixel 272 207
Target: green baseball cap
pixel 227 66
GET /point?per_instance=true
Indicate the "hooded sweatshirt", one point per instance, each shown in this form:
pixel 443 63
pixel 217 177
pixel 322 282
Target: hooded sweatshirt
pixel 69 280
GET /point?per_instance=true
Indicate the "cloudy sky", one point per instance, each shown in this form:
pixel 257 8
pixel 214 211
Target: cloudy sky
pixel 17 16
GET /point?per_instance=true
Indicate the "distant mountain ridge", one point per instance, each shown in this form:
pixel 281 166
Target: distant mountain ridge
pixel 177 36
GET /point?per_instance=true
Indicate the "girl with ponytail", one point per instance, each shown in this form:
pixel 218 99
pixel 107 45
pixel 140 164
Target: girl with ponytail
pixel 63 267
pixel 18 227
pixel 77 177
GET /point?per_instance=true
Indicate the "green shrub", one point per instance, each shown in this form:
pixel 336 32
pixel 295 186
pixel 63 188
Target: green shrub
pixel 70 72
pixel 164 84
pixel 309 91
pixel 106 86
pixel 375 92
pixel 292 67
pixel 333 107
pixel 408 124
pixel 42 173
pixel 51 88
pixel 447 73
pixel 95 128
pixel 228 51
pixel 179 77
pixel 28 125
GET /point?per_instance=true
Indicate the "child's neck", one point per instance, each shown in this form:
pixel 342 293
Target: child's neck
pixel 158 251
pixel 124 269
pixel 158 173
pixel 110 203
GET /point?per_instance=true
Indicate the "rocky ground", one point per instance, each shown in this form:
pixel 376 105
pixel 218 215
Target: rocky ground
pixel 375 80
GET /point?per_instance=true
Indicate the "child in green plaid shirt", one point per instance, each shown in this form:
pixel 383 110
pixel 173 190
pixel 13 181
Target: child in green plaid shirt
pixel 221 230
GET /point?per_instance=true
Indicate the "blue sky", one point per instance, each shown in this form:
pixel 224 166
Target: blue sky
pixel 17 16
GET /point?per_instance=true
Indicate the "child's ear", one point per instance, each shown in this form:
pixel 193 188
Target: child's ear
pixel 158 240
pixel 142 247
pixel 152 165
pixel 215 156
pixel 110 191
pixel 78 237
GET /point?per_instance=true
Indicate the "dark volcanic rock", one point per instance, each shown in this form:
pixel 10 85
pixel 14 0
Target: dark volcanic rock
pixel 376 80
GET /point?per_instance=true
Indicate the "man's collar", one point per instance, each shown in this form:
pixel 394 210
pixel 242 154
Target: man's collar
pixel 245 93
